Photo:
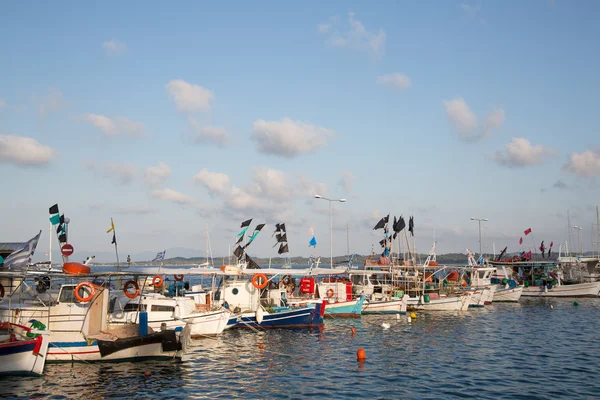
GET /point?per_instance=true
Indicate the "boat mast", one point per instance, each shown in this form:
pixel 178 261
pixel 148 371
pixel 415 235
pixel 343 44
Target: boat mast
pixel 50 247
pixel 348 244
pixel 569 233
pixel 598 228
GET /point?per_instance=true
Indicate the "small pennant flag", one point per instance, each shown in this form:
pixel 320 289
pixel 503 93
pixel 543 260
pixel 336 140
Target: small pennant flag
pixel 55 219
pixel 112 226
pixel 246 223
pixel 53 209
pixel 527 231
pixel 521 241
pixel 313 242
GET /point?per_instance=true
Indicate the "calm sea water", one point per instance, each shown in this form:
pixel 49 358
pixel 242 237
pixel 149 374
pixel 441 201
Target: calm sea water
pixel 524 350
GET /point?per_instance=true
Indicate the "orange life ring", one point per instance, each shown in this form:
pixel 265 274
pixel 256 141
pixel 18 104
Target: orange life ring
pixel 330 293
pixel 157 281
pixel 128 285
pixel 262 285
pixel 89 287
pixel 178 278
pixel 1 291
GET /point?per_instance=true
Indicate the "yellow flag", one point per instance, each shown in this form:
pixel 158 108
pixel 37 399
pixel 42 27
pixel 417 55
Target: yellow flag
pixel 112 226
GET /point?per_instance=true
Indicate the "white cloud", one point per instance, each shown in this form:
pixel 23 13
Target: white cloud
pixel 112 127
pixel 520 153
pixel 353 34
pixel 271 183
pixel 136 210
pixel 158 174
pixel 397 80
pixel 131 127
pixel 467 123
pixel 123 173
pixel 216 182
pixel 114 47
pixel 189 97
pixel 586 164
pixel 24 151
pixel 309 188
pixel 171 195
pixel 210 134
pixel 53 101
pixel 241 200
pixel 287 138
pixel 105 124
pixel 347 180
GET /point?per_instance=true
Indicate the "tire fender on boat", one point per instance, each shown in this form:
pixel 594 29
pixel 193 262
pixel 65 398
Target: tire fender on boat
pixel 178 278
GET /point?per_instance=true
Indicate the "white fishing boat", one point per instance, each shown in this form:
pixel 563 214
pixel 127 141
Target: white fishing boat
pixel 170 312
pixel 76 314
pixel 545 279
pixel 23 350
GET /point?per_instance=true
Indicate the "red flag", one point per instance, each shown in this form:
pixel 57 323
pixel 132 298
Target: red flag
pixel 528 255
pixel 527 231
pixel 551 243
pixel 521 241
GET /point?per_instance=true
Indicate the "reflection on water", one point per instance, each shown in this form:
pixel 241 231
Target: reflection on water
pixel 524 350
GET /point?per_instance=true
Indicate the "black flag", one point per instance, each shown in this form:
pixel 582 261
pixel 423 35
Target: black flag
pixel 59 229
pixel 395 235
pixel 283 249
pixel 240 239
pixel 259 227
pixel 411 226
pixel 380 224
pixel 54 209
pixel 283 238
pixel 114 241
pixel 251 263
pixel 62 238
pixel 246 223
pixel 282 227
pixel 238 251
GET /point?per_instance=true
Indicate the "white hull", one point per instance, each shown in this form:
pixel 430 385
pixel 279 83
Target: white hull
pixel 392 306
pixel 209 323
pixel 576 290
pixel 25 362
pixel 508 295
pixel 448 303
pixel 483 295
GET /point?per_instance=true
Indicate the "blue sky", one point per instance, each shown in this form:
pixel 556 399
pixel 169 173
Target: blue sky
pixel 171 119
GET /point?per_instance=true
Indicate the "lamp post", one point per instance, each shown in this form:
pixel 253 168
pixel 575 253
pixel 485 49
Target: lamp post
pixel 318 196
pixel 579 239
pixel 479 221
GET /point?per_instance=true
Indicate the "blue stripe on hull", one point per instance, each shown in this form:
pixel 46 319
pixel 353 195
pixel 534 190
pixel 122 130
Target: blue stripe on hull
pixel 282 319
pixel 14 349
pixel 353 309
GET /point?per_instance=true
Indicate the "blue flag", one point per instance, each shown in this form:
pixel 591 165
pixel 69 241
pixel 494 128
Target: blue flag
pixel 313 242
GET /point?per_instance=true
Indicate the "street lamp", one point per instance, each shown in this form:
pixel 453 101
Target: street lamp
pixel 579 239
pixel 318 196
pixel 479 221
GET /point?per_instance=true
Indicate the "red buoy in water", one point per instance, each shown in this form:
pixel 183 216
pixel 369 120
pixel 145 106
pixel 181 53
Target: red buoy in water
pixel 361 355
pixel 353 331
pixel 261 346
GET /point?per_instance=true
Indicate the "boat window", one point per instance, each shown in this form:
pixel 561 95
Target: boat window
pixel 135 307
pixel 156 307
pixel 67 295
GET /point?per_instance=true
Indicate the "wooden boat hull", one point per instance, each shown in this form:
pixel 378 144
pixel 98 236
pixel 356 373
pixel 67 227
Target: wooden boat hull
pixel 590 289
pixel 504 295
pixel 391 306
pixel 448 303
pixel 24 357
pixel 312 315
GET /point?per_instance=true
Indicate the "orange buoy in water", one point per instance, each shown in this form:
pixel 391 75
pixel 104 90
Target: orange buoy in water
pixel 353 331
pixel 361 355
pixel 147 373
pixel 261 346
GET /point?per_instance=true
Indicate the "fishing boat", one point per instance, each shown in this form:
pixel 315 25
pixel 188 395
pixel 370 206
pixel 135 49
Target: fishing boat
pixel 76 314
pixel 23 350
pixel 170 312
pixel 545 279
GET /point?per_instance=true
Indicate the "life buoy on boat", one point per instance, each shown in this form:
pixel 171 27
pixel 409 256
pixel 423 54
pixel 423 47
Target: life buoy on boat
pixel 178 278
pixel 261 285
pixel 89 287
pixel 330 293
pixel 157 281
pixel 128 285
pixel 1 291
